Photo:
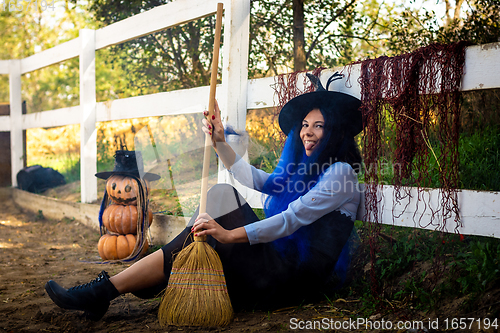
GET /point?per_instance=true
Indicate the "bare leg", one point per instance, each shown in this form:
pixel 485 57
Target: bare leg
pixel 147 272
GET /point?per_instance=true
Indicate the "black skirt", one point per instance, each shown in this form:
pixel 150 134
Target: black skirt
pixel 284 272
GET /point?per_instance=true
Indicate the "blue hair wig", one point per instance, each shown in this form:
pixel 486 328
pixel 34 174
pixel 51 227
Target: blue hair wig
pixel 295 174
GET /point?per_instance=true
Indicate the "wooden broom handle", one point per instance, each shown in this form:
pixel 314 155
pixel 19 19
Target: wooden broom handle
pixel 211 109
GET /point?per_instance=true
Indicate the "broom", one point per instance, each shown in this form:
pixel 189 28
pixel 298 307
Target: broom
pixel 196 294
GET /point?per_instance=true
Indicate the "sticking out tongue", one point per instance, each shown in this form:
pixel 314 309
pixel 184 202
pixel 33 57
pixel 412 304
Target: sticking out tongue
pixel 309 145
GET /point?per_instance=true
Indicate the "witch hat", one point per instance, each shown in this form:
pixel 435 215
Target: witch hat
pixel 128 163
pixel 343 107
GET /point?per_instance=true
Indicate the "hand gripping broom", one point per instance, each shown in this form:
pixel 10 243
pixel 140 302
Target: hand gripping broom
pixel 196 294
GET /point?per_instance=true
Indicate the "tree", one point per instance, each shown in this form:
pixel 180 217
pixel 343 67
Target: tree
pixel 476 21
pixel 176 58
pixel 481 24
pixel 286 35
pixel 30 30
pixel 456 11
pixel 299 52
pixel 324 33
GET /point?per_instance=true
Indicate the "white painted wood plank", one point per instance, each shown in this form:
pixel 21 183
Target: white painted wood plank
pixel 88 132
pixel 52 118
pixel 166 103
pixel 235 63
pixel 348 84
pixel 16 112
pixel 4 123
pixel 235 69
pixel 158 18
pixel 4 66
pixel 482 67
pixel 479 211
pixel 260 93
pixel 54 55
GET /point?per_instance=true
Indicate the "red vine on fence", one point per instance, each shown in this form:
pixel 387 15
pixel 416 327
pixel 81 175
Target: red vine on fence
pixel 417 94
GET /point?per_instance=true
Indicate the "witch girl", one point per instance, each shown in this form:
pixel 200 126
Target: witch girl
pixel 299 251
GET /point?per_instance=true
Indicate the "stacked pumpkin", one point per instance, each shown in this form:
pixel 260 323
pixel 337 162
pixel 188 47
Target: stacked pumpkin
pixel 122 219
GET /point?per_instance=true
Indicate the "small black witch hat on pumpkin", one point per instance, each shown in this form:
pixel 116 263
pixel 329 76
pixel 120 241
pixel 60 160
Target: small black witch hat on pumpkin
pixel 128 163
pixel 126 188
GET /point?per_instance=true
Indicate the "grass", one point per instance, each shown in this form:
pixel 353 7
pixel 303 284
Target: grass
pixel 68 164
pixel 479 163
pixel 425 270
pixel 480 160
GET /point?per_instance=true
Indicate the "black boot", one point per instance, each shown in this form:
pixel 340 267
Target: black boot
pixel 92 297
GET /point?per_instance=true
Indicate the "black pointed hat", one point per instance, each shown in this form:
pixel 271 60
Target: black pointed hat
pixel 128 163
pixel 343 107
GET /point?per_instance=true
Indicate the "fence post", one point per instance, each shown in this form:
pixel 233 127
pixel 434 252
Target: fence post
pixel 234 87
pixel 16 119
pixel 88 132
pixel 235 63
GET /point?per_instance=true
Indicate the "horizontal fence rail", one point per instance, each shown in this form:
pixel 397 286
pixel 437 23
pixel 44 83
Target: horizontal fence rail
pixel 156 19
pixel 4 66
pixel 478 210
pixel 52 56
pixel 482 67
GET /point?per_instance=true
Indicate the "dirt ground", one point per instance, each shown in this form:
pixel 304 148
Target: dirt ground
pixel 34 250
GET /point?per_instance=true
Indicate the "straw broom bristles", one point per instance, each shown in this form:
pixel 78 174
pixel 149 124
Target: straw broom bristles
pixel 197 293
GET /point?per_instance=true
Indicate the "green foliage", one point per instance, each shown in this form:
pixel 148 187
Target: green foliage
pixel 412 29
pixel 410 246
pixel 477 268
pixel 480 26
pixel 68 164
pixel 179 57
pixel 478 149
pixel 32 30
pixel 39 216
pixel 480 160
pixel 260 213
pixel 267 162
pixel 335 32
pixel 425 269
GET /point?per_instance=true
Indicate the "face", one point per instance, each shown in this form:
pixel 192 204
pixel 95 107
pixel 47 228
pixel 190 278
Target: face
pixel 312 130
pixel 122 190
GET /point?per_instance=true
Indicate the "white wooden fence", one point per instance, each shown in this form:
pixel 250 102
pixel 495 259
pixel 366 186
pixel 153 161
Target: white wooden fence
pixel 480 211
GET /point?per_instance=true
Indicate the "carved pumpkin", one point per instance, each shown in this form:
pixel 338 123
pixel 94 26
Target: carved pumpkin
pixel 123 219
pixel 122 190
pixel 114 247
